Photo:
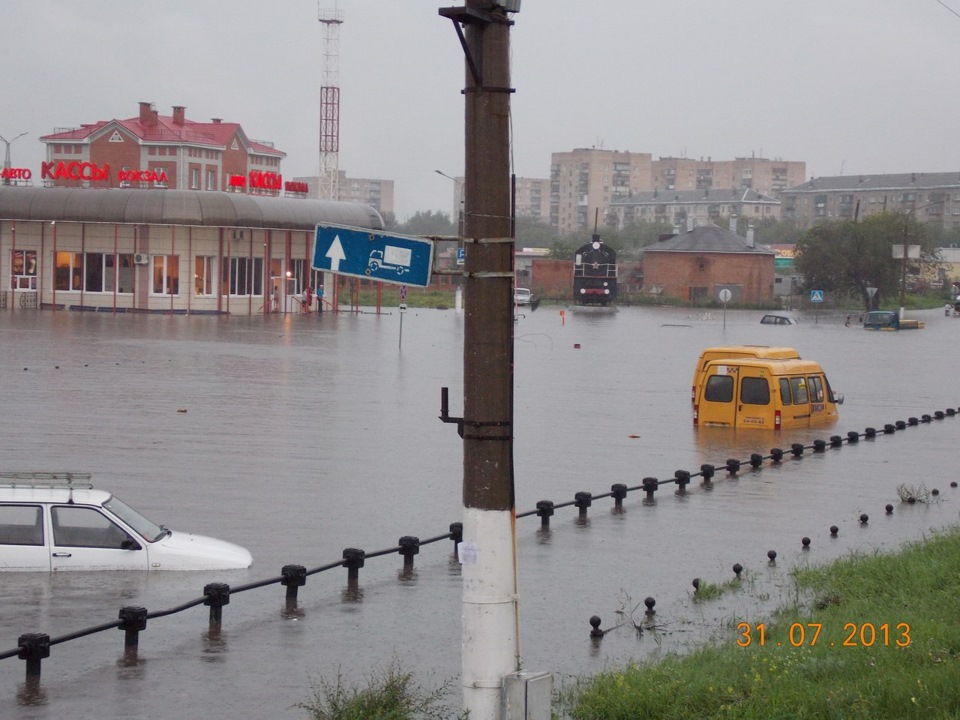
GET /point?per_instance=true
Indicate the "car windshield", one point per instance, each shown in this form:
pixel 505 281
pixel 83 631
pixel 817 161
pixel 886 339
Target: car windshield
pixel 146 529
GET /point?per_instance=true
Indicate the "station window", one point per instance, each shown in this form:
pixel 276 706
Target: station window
pixel 203 275
pixel 107 273
pixel 243 276
pixel 68 271
pixel 166 274
pixel 24 270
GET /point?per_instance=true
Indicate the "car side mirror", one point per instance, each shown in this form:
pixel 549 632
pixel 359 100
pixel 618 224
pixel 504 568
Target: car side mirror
pixel 130 544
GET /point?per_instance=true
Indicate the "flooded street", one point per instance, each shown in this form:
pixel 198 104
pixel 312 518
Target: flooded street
pixel 299 436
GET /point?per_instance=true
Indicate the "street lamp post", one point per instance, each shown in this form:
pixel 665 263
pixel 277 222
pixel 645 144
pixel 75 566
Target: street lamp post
pixel 6 155
pixel 458 189
pixel 458 184
pixel 903 266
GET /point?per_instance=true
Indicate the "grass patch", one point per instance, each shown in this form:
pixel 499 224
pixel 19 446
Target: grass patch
pixel 390 693
pixel 913 494
pixel 704 590
pixel 880 642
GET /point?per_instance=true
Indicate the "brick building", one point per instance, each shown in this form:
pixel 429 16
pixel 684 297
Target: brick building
pixel 163 151
pixel 697 265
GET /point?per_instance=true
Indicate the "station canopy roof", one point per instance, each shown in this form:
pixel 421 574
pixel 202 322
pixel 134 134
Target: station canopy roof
pixel 180 207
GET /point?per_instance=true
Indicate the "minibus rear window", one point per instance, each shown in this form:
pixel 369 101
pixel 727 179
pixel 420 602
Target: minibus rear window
pixel 785 392
pixel 719 388
pixel 754 391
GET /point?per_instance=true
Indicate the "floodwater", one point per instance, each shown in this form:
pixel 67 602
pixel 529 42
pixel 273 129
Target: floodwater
pixel 300 436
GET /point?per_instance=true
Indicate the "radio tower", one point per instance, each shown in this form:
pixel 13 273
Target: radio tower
pixel 329 181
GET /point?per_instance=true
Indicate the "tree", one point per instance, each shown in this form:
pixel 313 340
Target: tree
pixel 563 249
pixel 847 257
pixel 429 223
pixel 531 232
pixel 628 241
pixel 777 232
pixel 389 220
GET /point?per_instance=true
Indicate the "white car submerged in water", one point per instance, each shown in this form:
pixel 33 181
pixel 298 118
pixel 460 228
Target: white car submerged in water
pixel 522 296
pixel 58 522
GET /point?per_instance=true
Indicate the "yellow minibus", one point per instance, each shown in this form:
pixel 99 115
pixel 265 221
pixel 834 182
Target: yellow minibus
pixel 769 393
pixel 736 351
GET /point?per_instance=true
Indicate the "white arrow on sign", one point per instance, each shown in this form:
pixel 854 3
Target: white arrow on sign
pixel 335 253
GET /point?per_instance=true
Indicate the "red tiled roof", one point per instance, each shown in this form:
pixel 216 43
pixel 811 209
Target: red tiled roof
pixel 216 134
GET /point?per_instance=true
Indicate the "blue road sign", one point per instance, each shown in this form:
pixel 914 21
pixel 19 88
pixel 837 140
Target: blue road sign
pixel 816 296
pixel 399 259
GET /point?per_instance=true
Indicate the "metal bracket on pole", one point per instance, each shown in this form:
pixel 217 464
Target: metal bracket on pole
pixel 445 411
pixel 460 422
pixel 488 241
pixel 466 16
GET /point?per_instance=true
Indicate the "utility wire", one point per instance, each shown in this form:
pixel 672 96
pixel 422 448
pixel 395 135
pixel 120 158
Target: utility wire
pixel 940 2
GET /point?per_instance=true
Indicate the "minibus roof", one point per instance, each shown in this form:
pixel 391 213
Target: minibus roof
pixel 767 351
pixel 776 366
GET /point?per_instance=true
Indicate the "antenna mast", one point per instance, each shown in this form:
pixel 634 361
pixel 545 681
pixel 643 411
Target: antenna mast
pixel 329 180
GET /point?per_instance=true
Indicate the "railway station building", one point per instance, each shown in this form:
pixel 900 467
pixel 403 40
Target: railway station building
pixel 163 251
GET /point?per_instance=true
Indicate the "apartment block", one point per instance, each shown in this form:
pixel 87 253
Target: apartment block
pixel 584 181
pixel 588 180
pixel 376 193
pixel 690 208
pixel 533 198
pixel 931 197
pixel 766 176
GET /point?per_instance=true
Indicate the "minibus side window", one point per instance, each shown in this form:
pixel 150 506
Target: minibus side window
pixel 719 388
pixel 816 389
pixel 785 391
pixel 799 386
pixel 829 389
pixel 754 391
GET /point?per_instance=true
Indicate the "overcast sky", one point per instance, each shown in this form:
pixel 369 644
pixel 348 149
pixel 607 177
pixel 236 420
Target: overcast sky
pixel 849 86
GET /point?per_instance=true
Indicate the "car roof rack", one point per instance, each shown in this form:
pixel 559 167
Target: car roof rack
pixel 46 479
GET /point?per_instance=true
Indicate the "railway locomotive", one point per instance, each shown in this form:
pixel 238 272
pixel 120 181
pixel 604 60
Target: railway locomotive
pixel 595 274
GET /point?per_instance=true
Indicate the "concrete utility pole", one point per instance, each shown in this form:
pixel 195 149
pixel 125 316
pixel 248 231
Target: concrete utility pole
pixel 490 621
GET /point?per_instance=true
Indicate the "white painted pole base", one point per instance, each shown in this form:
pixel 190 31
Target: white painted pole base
pixel 490 646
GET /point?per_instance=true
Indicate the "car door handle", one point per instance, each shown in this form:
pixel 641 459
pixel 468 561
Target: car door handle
pixel 62 554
